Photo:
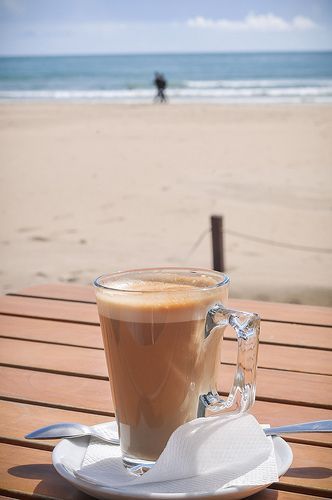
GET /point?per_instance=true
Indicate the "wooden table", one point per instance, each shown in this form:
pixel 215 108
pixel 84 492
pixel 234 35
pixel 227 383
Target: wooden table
pixel 53 369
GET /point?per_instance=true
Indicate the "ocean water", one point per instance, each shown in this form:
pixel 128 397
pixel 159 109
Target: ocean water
pixel 297 77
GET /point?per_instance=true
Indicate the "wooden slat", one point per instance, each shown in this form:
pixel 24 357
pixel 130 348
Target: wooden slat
pixel 30 471
pixel 310 471
pixel 48 392
pixel 6 498
pixel 51 357
pixel 51 331
pixel 94 395
pixel 294 313
pixel 18 419
pixel 283 386
pixel 49 309
pixel 56 390
pixel 319 337
pixel 270 494
pixel 65 291
pixel 73 359
pixel 277 414
pixel 89 335
pixel 87 313
pixel 284 358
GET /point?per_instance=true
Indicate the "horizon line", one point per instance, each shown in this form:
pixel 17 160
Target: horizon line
pixel 120 54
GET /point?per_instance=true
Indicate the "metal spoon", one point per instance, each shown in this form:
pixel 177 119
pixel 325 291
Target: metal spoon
pixel 317 426
pixel 72 430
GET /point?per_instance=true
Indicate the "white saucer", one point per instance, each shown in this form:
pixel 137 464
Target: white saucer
pixel 73 451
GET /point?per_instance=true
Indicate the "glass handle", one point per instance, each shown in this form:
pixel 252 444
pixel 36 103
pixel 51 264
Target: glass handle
pixel 242 395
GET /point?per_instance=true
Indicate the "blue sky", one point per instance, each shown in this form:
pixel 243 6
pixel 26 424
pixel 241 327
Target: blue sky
pixel 40 27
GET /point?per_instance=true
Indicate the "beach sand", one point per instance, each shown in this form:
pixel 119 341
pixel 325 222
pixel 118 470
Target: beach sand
pixel 93 188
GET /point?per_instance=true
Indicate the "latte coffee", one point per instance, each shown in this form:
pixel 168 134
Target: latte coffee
pixel 159 360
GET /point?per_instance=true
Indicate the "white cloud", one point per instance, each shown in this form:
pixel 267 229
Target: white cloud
pixel 304 23
pixel 109 36
pixel 254 22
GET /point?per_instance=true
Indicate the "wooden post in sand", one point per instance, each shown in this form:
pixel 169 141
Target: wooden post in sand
pixel 217 243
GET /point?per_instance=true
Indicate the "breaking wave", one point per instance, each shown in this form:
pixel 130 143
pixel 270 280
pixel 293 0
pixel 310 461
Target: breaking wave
pixel 223 91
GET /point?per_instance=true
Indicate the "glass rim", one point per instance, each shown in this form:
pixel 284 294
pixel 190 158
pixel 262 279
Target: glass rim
pixel 223 279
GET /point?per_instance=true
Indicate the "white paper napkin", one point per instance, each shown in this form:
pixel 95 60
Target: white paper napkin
pixel 204 455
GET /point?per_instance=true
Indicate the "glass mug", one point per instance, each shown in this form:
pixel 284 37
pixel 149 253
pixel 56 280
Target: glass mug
pixel 162 331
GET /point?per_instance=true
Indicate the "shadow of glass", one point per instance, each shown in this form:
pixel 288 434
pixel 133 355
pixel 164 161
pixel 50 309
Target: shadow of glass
pixel 312 472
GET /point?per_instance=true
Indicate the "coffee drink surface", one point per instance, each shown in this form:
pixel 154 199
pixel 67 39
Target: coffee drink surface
pixel 158 357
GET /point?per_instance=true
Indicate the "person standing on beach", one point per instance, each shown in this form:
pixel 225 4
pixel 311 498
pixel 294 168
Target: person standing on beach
pixel 161 84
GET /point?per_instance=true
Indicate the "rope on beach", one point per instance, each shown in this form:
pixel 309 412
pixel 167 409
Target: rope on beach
pixel 278 243
pixel 198 242
pixel 257 239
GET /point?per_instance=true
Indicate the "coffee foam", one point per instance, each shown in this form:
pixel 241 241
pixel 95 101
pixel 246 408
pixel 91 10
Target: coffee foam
pixel 142 301
pixel 170 281
pixel 150 286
